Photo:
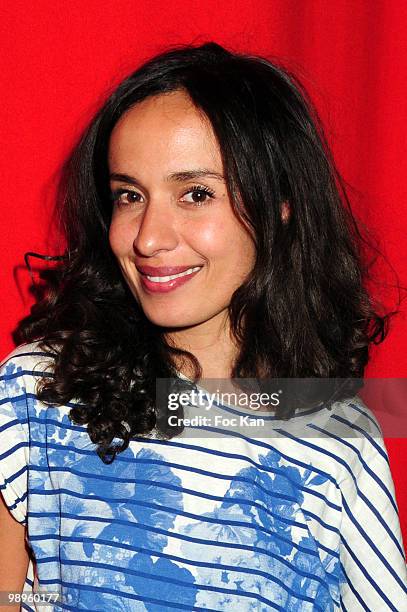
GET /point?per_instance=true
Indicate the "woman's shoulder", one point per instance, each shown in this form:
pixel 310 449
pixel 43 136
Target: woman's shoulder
pixel 352 418
pixel 348 439
pixel 340 441
pixel 26 353
pixel 345 422
pixel 22 367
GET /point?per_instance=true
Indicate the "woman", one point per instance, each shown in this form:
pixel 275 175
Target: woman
pixel 208 237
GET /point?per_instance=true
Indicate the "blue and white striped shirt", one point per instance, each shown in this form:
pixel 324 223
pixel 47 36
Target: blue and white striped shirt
pixel 284 522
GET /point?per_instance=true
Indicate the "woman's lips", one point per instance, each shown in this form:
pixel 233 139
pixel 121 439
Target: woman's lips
pixel 165 287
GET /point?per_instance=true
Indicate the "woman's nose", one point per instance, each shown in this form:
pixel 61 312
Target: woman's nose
pixel 156 230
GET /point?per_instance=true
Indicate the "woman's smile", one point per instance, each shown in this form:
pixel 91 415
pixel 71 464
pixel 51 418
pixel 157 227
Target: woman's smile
pixel 164 284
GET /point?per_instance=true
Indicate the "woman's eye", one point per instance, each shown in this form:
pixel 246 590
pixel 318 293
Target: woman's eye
pixel 125 197
pixel 198 195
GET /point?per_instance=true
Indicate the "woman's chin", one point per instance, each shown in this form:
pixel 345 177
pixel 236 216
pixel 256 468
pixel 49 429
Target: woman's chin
pixel 172 320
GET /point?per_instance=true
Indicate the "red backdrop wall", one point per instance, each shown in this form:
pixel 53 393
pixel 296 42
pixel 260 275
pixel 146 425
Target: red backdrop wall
pixel 61 57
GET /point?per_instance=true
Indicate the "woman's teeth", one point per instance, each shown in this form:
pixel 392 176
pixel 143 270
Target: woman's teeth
pixel 165 279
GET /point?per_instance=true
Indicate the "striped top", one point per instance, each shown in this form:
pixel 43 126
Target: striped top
pixel 288 521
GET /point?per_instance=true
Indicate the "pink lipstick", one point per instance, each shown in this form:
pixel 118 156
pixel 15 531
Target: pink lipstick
pixel 165 278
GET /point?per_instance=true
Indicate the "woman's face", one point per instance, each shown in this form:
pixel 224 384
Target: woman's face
pixel 171 209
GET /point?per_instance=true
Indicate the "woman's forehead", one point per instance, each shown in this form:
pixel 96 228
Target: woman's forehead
pixel 162 128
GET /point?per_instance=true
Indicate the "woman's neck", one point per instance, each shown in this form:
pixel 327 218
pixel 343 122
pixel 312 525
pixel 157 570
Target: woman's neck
pixel 211 343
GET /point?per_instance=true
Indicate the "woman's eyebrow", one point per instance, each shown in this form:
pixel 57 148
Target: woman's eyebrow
pixel 184 175
pixel 187 175
pixel 124 178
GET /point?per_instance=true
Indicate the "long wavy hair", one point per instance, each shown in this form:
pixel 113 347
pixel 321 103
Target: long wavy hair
pixel 304 311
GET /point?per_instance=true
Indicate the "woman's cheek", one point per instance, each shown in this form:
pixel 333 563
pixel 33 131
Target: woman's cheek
pixel 208 236
pixel 120 237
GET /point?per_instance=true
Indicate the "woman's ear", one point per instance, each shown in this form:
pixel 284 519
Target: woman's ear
pixel 285 211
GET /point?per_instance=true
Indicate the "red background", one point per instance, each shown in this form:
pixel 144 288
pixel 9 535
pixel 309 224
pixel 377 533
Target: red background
pixel 62 56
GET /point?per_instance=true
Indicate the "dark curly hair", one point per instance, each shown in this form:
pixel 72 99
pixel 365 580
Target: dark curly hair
pixel 304 310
